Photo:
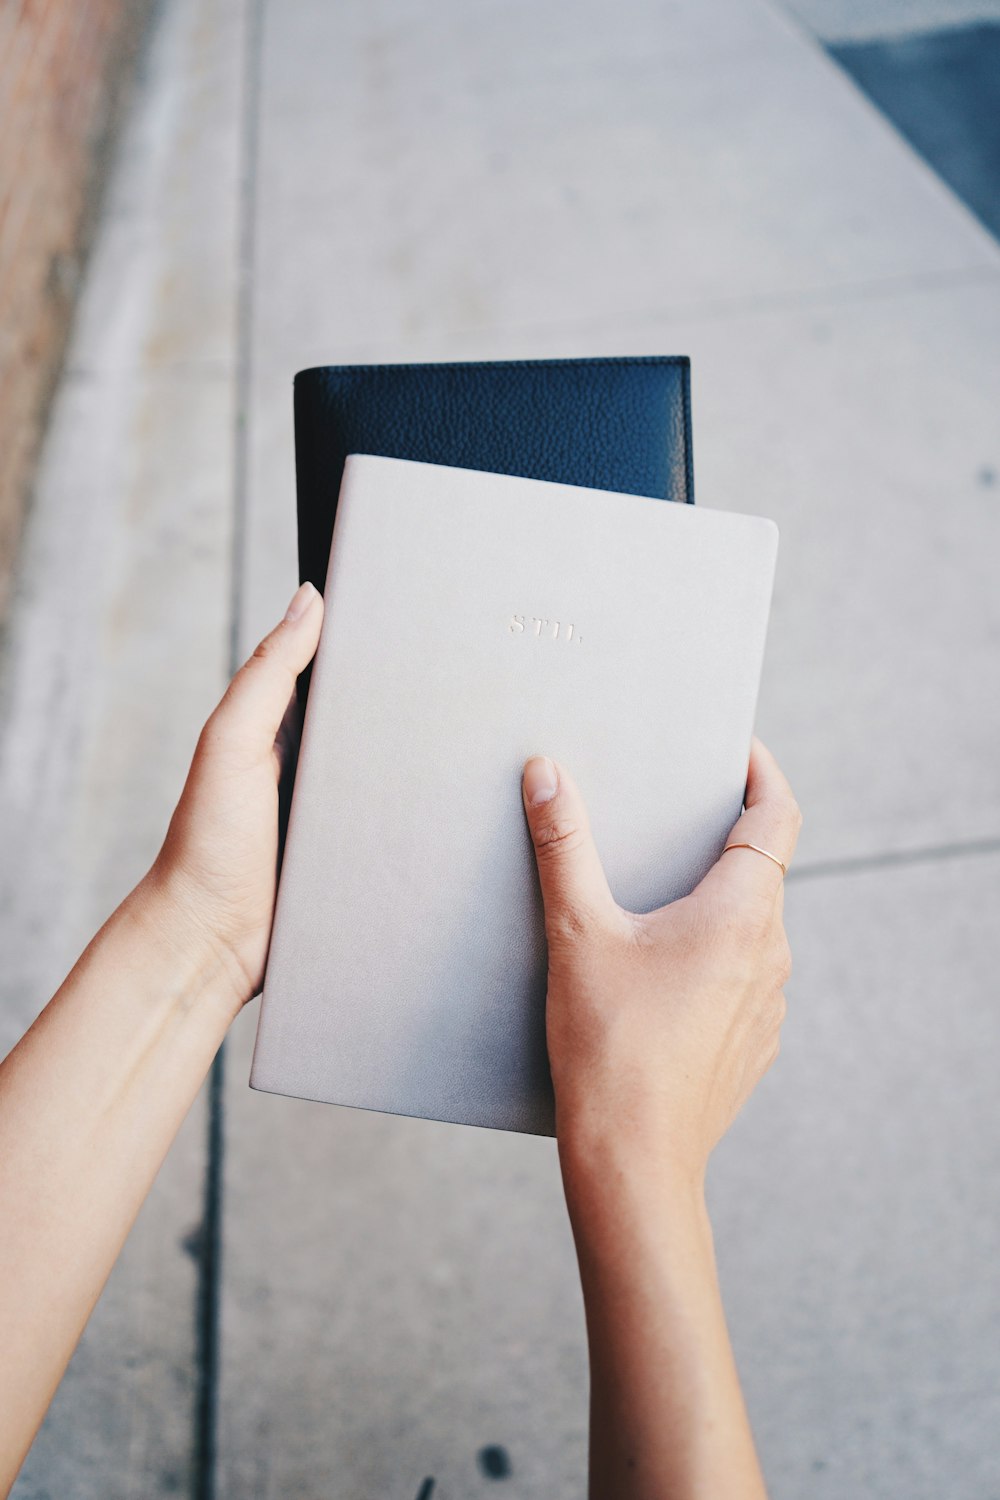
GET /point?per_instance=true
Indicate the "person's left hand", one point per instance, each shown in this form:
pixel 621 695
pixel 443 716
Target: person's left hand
pixel 214 880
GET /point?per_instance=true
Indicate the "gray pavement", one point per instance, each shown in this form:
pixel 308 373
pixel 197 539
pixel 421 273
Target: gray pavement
pixel 508 180
pixel 116 649
pixel 864 20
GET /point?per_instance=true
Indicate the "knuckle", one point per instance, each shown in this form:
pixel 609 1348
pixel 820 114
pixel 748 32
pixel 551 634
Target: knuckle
pixel 784 813
pixel 790 825
pixel 751 920
pixel 264 650
pixel 556 837
pixel 269 653
pixel 213 736
pixel 579 923
pixel 567 924
pixel 745 935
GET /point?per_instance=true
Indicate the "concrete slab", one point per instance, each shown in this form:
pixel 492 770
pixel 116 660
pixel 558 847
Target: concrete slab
pixel 405 1293
pixel 115 652
pixel 873 442
pixel 159 294
pixel 416 180
pixel 856 1203
pixel 397 1296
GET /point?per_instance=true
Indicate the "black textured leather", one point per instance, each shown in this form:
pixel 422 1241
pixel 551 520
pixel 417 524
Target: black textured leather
pixel 612 424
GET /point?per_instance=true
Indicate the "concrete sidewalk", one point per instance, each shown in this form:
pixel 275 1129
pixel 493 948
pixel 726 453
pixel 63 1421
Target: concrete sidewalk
pixel 306 183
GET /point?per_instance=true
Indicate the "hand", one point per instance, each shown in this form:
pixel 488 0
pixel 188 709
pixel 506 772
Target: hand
pixel 214 881
pixel 661 1024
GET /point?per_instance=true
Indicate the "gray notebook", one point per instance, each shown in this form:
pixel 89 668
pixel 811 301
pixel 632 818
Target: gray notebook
pixel 472 620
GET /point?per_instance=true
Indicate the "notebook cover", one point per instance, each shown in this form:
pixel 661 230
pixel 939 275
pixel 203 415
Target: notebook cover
pixel 407 964
pixel 614 424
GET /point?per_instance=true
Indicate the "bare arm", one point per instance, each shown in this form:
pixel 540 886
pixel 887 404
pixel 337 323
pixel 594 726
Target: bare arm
pixel 93 1094
pixel 659 1027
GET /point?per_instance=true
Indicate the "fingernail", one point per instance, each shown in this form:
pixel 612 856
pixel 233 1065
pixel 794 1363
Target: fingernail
pixel 301 600
pixel 540 780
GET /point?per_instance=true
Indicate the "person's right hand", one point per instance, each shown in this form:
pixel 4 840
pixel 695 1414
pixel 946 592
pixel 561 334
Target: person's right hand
pixel 661 1024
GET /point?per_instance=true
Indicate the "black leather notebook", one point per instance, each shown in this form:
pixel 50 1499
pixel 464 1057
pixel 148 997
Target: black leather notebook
pixel 612 424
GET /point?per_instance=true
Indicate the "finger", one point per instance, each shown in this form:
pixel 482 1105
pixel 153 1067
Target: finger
pixel 256 701
pixel 574 886
pixel 771 812
pixel 771 820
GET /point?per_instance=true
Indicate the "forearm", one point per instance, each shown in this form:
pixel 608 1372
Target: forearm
pixel 667 1421
pixel 90 1100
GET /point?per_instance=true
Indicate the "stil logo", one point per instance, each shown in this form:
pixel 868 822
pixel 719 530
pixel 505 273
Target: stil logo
pixel 543 630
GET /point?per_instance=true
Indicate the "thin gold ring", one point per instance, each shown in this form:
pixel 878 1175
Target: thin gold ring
pixel 758 850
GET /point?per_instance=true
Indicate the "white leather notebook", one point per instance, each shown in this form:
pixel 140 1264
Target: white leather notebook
pixel 472 620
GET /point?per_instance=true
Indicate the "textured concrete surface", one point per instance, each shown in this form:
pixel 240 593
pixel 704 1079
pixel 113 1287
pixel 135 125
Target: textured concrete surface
pixel 856 1207
pixel 397 1296
pixel 412 1287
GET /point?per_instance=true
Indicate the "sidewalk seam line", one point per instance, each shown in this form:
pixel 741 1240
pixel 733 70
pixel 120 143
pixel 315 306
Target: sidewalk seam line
pixel 888 859
pixel 210 1267
pixel 819 298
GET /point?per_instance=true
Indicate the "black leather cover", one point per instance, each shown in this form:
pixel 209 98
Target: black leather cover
pixel 612 424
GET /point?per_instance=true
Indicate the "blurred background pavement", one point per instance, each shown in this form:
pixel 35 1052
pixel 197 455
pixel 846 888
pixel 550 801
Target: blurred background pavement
pixel 325 1303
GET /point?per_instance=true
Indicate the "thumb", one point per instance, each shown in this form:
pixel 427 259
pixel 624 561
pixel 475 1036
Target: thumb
pixel 574 886
pixel 252 709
